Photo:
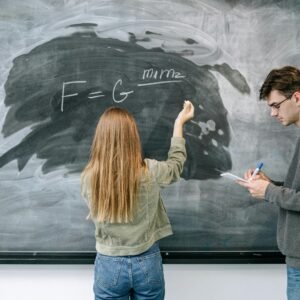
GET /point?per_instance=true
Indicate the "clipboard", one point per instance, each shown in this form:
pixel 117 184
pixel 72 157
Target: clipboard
pixel 232 177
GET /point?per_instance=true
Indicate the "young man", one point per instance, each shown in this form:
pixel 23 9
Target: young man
pixel 281 90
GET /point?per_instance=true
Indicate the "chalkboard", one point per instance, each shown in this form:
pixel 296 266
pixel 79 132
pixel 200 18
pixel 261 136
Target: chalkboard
pixel 65 62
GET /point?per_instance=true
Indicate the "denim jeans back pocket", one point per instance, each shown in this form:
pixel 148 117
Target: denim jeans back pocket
pixel 107 270
pixel 151 266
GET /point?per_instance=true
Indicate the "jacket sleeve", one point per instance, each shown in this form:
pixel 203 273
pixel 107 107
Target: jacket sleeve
pixel 167 172
pixel 285 198
pixel 86 194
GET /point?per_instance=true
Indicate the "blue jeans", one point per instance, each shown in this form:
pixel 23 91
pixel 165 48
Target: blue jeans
pixel 293 283
pixel 138 277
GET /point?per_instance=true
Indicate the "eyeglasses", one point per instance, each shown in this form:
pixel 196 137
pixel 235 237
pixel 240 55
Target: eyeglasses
pixel 277 105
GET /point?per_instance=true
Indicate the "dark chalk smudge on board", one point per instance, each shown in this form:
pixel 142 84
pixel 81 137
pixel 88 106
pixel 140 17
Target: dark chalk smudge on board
pixel 60 88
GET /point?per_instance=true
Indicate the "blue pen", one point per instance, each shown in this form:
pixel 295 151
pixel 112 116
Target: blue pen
pixel 256 170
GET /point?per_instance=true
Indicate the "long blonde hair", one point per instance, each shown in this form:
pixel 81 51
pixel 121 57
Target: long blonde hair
pixel 114 168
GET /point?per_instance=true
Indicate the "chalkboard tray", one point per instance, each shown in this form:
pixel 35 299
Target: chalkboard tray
pixel 168 258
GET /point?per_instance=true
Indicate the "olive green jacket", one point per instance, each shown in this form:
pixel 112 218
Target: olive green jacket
pixel 150 222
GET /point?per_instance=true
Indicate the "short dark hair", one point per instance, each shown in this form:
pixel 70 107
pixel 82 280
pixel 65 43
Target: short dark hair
pixel 285 80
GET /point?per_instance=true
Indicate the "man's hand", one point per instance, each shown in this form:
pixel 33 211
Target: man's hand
pixel 260 175
pixel 257 188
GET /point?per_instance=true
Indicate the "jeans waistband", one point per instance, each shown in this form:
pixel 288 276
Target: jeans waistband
pixel 153 249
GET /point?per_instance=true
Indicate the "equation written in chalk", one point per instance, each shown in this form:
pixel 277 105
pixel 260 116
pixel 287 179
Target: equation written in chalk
pixel 119 93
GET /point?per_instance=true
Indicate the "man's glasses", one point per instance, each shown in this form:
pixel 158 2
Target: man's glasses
pixel 277 105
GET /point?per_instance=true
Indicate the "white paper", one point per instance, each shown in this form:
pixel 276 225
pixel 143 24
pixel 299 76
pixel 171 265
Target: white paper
pixel 233 177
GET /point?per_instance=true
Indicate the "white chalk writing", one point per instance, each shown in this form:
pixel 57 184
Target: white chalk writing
pixel 125 94
pixel 161 74
pixel 119 92
pixel 63 95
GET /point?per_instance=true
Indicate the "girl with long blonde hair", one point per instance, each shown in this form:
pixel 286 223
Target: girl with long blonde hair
pixel 123 194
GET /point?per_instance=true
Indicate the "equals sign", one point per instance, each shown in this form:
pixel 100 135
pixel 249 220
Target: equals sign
pixel 95 95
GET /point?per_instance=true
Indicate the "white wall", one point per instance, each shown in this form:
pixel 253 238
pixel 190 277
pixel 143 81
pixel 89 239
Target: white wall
pixel 183 282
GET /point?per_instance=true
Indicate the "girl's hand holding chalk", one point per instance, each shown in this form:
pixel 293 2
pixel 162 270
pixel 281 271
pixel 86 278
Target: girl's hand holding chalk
pixel 187 113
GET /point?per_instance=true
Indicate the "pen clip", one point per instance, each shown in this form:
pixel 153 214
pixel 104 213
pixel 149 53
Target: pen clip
pixel 260 165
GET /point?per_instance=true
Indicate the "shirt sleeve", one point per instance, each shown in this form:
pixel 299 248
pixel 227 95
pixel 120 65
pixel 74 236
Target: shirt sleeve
pixel 285 198
pixel 278 183
pixel 167 172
